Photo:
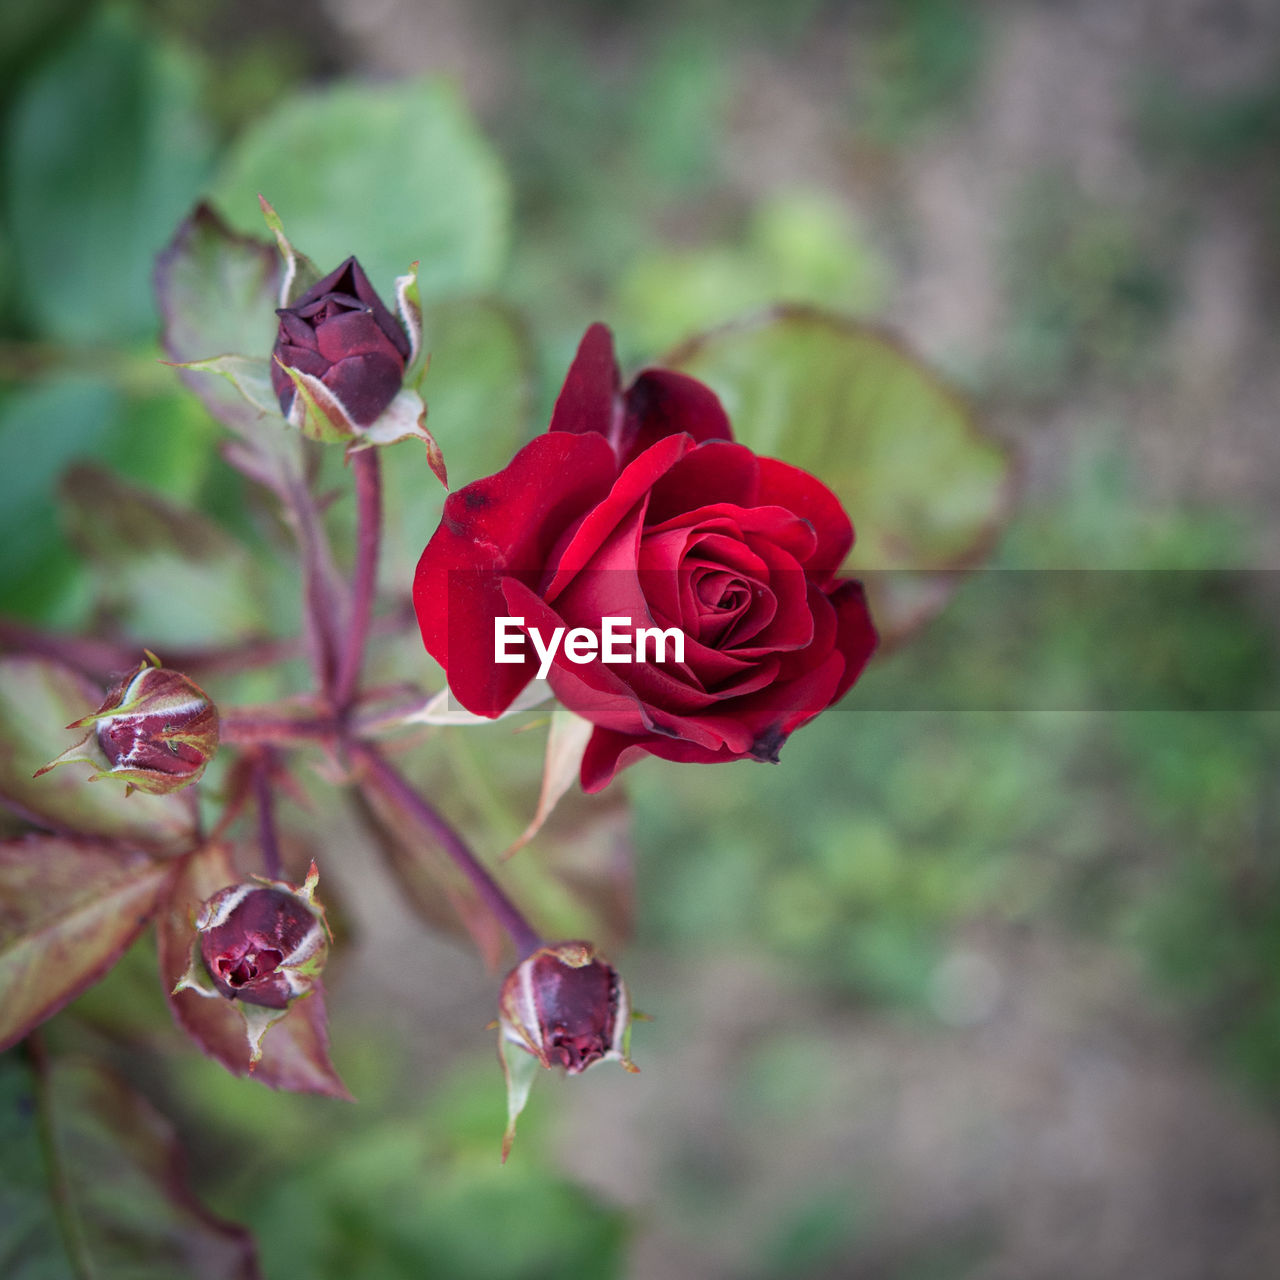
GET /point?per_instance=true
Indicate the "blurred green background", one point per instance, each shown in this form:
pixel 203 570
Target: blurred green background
pixel 949 993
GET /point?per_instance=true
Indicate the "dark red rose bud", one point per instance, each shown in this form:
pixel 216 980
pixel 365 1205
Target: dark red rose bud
pixel 262 944
pixel 340 332
pixel 565 1006
pixel 156 730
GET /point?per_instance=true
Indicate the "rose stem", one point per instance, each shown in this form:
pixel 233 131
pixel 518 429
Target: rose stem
pixel 319 605
pixel 106 659
pixel 265 802
pixel 245 728
pixel 383 777
pixel 86 655
pixel 368 478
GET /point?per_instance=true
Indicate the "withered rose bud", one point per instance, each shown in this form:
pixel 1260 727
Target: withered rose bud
pixel 156 730
pixel 262 944
pixel 340 332
pixel 565 1006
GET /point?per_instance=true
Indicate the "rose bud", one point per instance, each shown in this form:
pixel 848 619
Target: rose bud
pixel 262 944
pixel 565 1006
pixel 340 332
pixel 156 730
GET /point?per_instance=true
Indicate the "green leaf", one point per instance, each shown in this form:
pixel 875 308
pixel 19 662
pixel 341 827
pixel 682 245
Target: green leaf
pixel 168 575
pixel 802 247
pixel 926 490
pixel 38 697
pixel 91 1178
pixel 106 151
pixel 32 457
pixel 295 1049
pixel 71 908
pixel 391 173
pixel 218 293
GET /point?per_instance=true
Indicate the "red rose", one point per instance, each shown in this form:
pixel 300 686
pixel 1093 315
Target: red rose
pixel 639 505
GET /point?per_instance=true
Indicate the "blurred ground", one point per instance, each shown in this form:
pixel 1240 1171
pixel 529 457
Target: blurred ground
pixel 945 995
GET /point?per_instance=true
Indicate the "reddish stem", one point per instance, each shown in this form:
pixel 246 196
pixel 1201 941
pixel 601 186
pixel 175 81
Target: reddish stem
pixel 101 659
pixel 382 777
pixel 265 801
pixel 368 478
pixel 88 656
pixel 251 729
pixel 320 605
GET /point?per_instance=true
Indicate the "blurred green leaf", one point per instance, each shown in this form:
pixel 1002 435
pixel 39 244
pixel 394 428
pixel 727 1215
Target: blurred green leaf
pixel 425 1195
pixel 32 456
pixel 218 293
pixel 37 698
pixel 92 1184
pixel 106 151
pixel 70 908
pixel 167 575
pixel 903 453
pixel 801 247
pixel 924 488
pixel 392 174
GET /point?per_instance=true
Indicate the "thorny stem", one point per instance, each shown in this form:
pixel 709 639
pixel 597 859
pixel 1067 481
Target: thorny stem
pixel 265 801
pixel 382 777
pixel 368 480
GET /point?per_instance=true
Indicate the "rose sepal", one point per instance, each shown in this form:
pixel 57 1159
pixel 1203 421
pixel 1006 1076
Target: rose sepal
pixel 300 272
pixel 409 304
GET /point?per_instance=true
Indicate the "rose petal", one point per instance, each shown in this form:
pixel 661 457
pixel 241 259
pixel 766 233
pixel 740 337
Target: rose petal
pixel 365 384
pixel 591 398
pixel 779 525
pixel 798 491
pixel 502 525
pixel 718 471
pixel 354 331
pixel 856 635
pixel 783 620
pixel 662 403
pixel 631 489
pixel 608 753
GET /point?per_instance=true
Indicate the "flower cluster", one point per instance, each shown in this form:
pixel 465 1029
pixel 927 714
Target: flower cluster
pixel 636 512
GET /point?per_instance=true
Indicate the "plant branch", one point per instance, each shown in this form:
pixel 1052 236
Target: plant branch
pixel 249 728
pixel 320 603
pixel 368 478
pixel 265 802
pixel 382 777
pixel 105 659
